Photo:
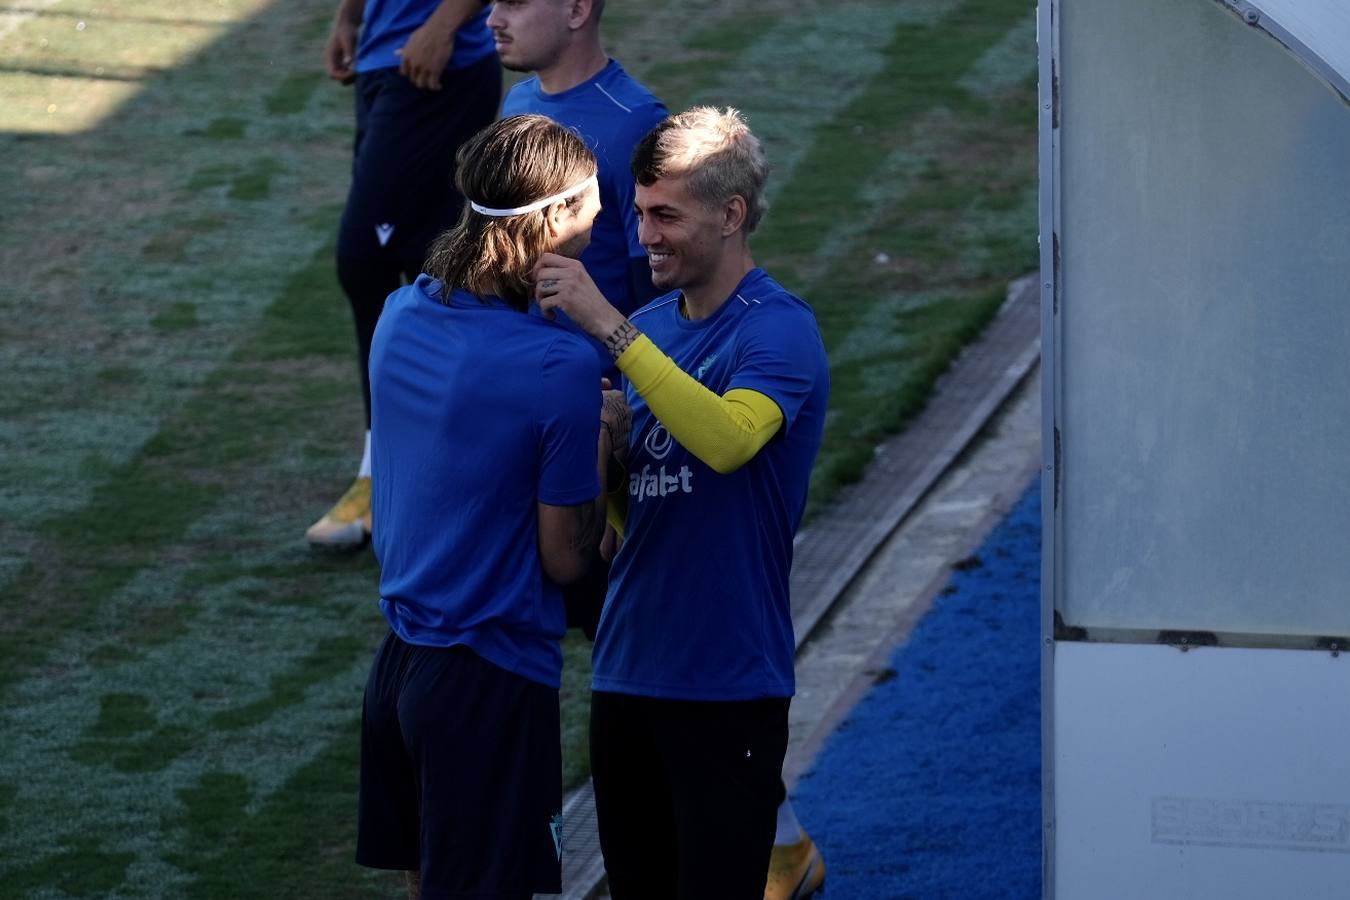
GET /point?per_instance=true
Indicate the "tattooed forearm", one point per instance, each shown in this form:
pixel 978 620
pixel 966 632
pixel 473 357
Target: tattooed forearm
pixel 621 338
pixel 617 419
pixel 590 524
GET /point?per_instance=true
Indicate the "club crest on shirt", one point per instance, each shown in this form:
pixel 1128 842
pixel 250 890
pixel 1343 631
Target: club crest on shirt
pixel 659 442
pixel 703 366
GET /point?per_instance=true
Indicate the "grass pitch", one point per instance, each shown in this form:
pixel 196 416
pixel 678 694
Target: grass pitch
pixel 181 677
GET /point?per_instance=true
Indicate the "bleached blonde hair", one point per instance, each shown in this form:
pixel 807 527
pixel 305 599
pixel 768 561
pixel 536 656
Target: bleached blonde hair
pixel 715 151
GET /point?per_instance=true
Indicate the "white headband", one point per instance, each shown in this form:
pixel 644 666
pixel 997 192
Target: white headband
pixel 538 204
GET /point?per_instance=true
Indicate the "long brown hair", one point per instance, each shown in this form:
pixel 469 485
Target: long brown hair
pixel 511 163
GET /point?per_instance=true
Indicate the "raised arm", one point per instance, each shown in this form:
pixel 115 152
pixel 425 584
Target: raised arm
pixel 724 431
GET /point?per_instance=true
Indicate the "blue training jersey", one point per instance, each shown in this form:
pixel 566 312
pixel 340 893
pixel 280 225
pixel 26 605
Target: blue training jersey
pixel 478 413
pixel 386 26
pixel 610 112
pixel 698 605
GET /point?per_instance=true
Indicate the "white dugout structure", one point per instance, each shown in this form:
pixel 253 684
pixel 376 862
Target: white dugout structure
pixel 1195 251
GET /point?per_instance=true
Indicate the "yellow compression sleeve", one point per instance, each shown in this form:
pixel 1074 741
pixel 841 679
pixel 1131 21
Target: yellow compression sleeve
pixel 725 432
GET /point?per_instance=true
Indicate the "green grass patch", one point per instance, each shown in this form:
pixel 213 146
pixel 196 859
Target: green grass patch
pixel 292 94
pixel 82 868
pixel 7 794
pixel 115 375
pixel 330 658
pixel 574 702
pixel 177 316
pixel 211 176
pixel 256 182
pixel 224 128
pixel 149 503
pixel 302 837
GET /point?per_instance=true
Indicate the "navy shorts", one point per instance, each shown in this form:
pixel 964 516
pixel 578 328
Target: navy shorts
pixel 461 774
pixel 403 189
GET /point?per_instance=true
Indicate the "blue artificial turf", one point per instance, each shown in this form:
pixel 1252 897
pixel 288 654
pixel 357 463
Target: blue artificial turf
pixel 931 787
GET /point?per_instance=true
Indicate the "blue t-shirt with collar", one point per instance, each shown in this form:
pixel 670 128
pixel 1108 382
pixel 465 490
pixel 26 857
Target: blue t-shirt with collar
pixel 611 112
pixel 698 605
pixel 479 412
pixel 386 26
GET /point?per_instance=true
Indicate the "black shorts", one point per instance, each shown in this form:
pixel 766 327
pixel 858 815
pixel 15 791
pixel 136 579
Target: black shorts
pixel 403 190
pixel 461 774
pixel 687 794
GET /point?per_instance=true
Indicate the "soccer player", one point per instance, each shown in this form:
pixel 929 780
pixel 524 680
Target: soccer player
pixel 427 79
pixel 489 449
pixel 576 83
pixel 693 663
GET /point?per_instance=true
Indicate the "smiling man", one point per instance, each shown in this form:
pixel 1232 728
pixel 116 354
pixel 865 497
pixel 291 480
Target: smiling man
pixel 693 664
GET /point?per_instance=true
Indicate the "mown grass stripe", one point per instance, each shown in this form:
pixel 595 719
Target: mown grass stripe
pixel 221 434
pixel 835 55
pixel 124 805
pixel 1004 62
pixel 301 838
pixel 923 65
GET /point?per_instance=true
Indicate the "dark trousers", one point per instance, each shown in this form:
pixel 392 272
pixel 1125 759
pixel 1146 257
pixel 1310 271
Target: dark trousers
pixel 686 793
pixel 403 192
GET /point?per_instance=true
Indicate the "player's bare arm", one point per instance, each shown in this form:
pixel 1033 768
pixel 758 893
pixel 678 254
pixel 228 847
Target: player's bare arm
pixel 428 51
pixel 339 54
pixel 616 418
pixel 569 536
pixel 562 283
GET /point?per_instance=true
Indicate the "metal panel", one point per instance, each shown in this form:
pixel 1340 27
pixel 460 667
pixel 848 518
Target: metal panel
pixel 1316 31
pixel 1047 45
pixel 1203 328
pixel 1211 773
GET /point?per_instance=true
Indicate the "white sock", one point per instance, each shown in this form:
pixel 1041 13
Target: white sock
pixel 364 471
pixel 789 829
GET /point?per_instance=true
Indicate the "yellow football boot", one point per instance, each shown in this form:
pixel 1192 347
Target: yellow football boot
pixel 796 871
pixel 347 525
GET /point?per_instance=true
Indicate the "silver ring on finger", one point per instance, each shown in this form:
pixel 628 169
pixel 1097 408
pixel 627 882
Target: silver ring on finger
pixel 548 284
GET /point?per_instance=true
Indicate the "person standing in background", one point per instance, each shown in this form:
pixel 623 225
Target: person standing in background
pixel 427 79
pixel 578 85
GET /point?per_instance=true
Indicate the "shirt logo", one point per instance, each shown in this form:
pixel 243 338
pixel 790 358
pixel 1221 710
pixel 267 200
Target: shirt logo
pixel 659 442
pixel 384 233
pixel 647 483
pixel 661 482
pixel 555 829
